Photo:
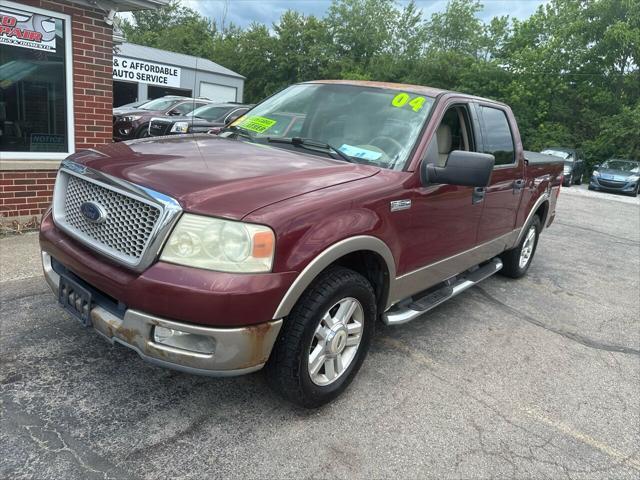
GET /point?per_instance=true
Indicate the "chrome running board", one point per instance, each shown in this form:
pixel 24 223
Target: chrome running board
pixel 415 306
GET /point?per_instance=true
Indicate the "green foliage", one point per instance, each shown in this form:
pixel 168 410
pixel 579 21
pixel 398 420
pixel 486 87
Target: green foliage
pixel 175 28
pixel 569 71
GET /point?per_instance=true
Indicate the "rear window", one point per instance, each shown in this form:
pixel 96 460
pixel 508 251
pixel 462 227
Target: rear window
pixel 497 136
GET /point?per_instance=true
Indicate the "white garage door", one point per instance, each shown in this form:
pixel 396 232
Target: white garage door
pixel 217 93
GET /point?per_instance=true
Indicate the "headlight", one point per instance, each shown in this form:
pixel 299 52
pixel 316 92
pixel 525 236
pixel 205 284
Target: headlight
pixel 596 173
pixel 180 127
pixel 221 245
pixel 132 118
pixel 633 178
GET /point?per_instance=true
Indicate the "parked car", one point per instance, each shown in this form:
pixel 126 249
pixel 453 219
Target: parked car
pixel 130 124
pixel 574 164
pixel 201 120
pixel 617 175
pixel 222 254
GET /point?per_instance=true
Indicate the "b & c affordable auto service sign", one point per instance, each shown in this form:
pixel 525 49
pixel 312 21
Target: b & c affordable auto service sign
pixel 23 29
pixel 129 69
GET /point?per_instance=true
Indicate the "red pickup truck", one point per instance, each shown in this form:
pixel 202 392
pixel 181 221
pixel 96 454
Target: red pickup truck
pixel 224 254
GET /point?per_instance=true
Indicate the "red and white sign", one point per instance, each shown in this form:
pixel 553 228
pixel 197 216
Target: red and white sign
pixel 23 29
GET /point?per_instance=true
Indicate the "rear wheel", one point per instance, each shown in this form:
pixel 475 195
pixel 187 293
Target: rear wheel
pixel 516 261
pixel 325 339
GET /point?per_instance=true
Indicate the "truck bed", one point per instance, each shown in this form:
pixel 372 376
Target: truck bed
pixel 535 158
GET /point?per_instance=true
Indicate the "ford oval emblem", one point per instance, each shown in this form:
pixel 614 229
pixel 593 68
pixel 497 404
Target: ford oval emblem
pixel 94 212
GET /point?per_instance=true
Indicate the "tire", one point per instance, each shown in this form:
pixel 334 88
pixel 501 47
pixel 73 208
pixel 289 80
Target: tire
pixel 288 370
pixel 636 192
pixel 511 264
pixel 578 181
pixel 143 131
pixel 591 188
pixel 568 182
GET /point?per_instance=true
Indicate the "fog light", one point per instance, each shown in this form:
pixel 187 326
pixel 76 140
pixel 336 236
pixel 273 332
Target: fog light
pixel 184 340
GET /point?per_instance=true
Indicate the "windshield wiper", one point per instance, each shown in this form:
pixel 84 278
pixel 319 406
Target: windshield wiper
pixel 310 144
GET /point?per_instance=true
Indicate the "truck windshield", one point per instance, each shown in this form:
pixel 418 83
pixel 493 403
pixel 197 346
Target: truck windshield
pixel 370 125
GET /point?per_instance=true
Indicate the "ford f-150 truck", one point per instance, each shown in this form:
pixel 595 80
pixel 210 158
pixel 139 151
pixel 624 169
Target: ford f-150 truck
pixel 221 255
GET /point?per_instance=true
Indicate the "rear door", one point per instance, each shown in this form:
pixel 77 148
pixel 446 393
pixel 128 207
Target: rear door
pixel 502 196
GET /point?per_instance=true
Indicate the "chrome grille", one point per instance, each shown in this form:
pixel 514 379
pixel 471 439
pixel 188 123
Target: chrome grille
pixel 129 222
pixel 611 183
pixel 159 128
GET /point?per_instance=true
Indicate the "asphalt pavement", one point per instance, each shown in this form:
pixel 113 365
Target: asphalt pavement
pixel 534 378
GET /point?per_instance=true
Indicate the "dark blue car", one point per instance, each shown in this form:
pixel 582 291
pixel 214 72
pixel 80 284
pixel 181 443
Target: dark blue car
pixel 616 175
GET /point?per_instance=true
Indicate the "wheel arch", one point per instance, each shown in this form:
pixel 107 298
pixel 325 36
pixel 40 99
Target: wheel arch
pixel 543 211
pixel 365 254
pixel 540 208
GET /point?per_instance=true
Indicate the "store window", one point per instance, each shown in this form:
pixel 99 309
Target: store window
pixel 35 83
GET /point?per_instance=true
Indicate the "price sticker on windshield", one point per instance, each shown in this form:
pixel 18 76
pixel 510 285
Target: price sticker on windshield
pixel 402 99
pixel 257 124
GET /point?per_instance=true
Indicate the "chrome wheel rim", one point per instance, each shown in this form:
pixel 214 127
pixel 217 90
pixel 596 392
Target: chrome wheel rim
pixel 335 341
pixel 527 247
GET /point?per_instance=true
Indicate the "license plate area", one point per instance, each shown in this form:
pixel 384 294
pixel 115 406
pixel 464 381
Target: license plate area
pixel 75 299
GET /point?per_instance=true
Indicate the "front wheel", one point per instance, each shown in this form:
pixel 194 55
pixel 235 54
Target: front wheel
pixel 516 261
pixel 579 179
pixel 143 131
pixel 325 339
pixel 569 181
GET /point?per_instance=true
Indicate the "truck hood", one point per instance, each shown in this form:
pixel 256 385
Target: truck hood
pixel 215 176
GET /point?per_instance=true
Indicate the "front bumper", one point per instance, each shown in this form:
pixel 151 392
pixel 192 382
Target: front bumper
pixel 612 185
pixel 237 350
pixel 123 130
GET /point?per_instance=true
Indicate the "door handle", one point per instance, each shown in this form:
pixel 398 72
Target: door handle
pixel 518 185
pixel 478 194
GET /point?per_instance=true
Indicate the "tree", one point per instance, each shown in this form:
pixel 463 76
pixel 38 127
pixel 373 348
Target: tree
pixel 457 29
pixel 174 27
pixel 302 48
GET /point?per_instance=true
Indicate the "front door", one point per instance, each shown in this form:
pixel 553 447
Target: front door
pixel 445 218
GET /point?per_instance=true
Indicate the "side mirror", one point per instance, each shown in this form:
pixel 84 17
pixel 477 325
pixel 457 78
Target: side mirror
pixel 470 169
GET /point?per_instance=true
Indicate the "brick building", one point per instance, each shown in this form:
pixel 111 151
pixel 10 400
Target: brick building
pixel 56 92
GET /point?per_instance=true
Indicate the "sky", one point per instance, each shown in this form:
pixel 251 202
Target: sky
pixel 243 12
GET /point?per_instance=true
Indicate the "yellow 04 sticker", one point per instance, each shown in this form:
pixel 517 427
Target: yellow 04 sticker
pixel 402 99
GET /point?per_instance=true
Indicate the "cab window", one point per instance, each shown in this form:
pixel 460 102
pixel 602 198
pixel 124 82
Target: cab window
pixel 453 133
pixel 497 136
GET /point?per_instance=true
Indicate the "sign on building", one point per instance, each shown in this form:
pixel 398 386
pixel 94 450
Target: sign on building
pixel 132 70
pixel 19 28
